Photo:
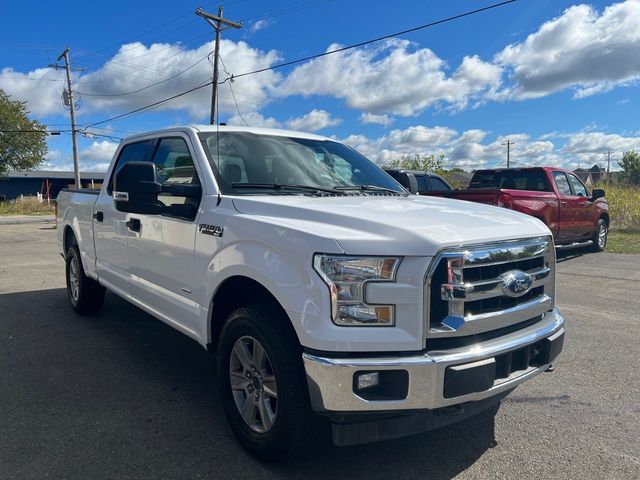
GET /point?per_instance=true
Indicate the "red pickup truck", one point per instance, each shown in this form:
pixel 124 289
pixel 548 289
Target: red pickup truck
pixel 553 195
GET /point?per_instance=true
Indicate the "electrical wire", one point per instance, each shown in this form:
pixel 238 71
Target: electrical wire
pixel 230 77
pixel 378 39
pixel 92 94
pixel 311 57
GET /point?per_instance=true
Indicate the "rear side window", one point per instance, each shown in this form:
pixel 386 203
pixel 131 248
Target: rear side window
pixel 437 184
pixel 133 152
pixel 562 183
pixel 534 180
pixel 423 186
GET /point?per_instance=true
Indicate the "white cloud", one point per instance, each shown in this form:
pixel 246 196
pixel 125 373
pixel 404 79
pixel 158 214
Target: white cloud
pixel 254 119
pixel 94 158
pixel 392 77
pixel 136 66
pixel 591 52
pixel 470 150
pixel 313 121
pixel 383 119
pixel 259 25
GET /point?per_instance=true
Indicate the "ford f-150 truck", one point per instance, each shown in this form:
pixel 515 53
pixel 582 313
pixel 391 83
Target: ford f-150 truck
pixel 556 196
pixel 330 297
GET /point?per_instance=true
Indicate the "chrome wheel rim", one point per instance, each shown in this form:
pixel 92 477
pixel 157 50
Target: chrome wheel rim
pixel 74 281
pixel 602 236
pixel 253 384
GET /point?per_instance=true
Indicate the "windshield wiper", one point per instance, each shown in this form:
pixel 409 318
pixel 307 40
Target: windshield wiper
pixel 284 186
pixel 368 188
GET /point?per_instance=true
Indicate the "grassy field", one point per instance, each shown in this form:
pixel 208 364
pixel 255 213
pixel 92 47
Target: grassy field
pixel 28 206
pixel 623 242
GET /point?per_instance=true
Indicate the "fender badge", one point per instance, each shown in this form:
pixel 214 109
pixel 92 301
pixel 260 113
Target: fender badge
pixel 214 230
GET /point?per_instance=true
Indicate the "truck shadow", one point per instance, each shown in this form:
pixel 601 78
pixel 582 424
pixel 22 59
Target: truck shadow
pixel 121 395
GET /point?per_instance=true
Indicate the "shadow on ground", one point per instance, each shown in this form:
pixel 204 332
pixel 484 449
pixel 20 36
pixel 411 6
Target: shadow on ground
pixel 121 395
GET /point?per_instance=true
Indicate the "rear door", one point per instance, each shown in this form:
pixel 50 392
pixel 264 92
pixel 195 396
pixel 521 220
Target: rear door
pixel 161 252
pixel 570 215
pixel 110 231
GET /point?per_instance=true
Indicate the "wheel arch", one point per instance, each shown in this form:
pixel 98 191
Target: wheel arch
pixel 234 292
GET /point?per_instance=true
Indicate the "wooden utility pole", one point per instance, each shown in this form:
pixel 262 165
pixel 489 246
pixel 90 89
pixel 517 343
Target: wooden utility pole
pixel 67 96
pixel 508 145
pixel 217 23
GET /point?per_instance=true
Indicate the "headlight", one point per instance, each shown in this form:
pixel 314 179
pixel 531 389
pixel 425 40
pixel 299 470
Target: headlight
pixel 346 277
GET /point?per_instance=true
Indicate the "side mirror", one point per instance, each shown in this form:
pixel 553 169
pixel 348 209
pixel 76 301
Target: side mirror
pixel 136 190
pixel 597 193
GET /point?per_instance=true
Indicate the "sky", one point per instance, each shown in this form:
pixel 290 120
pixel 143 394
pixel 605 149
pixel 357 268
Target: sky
pixel 558 78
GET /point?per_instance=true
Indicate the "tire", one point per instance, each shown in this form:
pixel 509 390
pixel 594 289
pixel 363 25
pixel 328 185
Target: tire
pixel 85 295
pixel 600 237
pixel 282 426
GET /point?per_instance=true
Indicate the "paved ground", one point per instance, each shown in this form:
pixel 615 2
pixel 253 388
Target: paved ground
pixel 123 396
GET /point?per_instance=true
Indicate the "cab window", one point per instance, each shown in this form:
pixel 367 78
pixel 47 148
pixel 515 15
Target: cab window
pixel 562 183
pixel 577 187
pixel 133 152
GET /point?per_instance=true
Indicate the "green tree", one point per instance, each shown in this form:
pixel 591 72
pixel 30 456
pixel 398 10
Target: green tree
pixel 20 147
pixel 630 163
pixel 418 162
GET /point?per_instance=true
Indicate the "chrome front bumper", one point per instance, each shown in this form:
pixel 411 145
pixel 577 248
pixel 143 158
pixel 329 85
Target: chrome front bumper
pixel 331 380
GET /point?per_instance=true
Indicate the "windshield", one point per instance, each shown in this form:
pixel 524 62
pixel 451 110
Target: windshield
pixel 247 163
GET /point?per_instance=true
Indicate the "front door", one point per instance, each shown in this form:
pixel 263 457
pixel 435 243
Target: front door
pixel 569 223
pixel 161 247
pixel 110 231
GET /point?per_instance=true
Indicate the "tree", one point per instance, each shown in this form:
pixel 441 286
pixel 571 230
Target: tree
pixel 20 147
pixel 630 163
pixel 418 162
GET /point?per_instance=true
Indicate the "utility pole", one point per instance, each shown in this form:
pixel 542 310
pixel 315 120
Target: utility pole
pixel 609 152
pixel 68 98
pixel 508 145
pixel 217 23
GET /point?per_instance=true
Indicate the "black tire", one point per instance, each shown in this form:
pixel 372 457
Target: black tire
pixel 295 428
pixel 600 237
pixel 85 295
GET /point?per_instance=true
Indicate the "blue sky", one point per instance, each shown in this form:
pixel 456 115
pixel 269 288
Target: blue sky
pixel 557 77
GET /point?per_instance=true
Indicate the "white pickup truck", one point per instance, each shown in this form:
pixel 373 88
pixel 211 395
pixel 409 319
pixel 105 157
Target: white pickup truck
pixel 329 295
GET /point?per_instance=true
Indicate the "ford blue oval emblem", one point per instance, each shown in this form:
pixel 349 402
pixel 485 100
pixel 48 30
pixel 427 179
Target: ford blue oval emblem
pixel 516 283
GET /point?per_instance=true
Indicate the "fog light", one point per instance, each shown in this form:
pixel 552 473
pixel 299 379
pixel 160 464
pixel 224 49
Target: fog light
pixel 368 380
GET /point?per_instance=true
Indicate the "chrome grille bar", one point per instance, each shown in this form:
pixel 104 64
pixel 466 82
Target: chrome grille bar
pixel 507 283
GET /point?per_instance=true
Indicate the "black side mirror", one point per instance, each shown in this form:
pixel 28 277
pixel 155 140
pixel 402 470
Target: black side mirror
pixel 597 193
pixel 136 189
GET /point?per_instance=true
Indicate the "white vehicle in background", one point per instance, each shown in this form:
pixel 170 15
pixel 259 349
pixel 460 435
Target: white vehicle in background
pixel 329 295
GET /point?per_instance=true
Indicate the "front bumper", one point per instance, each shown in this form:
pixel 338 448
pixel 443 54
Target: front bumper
pixel 437 379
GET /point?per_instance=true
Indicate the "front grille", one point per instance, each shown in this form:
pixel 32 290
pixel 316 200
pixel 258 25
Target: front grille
pixel 478 289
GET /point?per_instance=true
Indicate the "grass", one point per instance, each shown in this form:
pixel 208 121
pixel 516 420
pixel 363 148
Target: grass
pixel 27 206
pixel 623 242
pixel 624 206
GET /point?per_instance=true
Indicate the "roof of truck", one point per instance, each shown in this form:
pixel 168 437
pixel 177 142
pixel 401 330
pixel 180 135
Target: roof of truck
pixel 233 128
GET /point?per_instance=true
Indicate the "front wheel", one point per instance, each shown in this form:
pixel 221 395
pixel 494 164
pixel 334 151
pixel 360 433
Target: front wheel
pixel 263 385
pixel 600 237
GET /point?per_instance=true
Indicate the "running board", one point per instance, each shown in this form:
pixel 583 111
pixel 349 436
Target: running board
pixel 574 245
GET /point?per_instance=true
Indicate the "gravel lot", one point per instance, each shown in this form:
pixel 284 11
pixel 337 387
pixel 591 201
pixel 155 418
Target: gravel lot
pixel 121 395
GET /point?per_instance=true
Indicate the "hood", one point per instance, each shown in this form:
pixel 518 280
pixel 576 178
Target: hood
pixel 380 225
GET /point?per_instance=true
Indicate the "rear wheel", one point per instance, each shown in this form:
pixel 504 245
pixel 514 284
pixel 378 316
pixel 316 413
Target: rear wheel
pixel 85 295
pixel 600 237
pixel 263 385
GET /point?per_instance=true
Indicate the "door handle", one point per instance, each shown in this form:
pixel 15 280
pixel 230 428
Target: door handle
pixel 98 216
pixel 563 203
pixel 133 224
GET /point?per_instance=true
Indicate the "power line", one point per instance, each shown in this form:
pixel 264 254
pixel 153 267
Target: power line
pixel 92 94
pixel 311 57
pixel 230 78
pixel 378 39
